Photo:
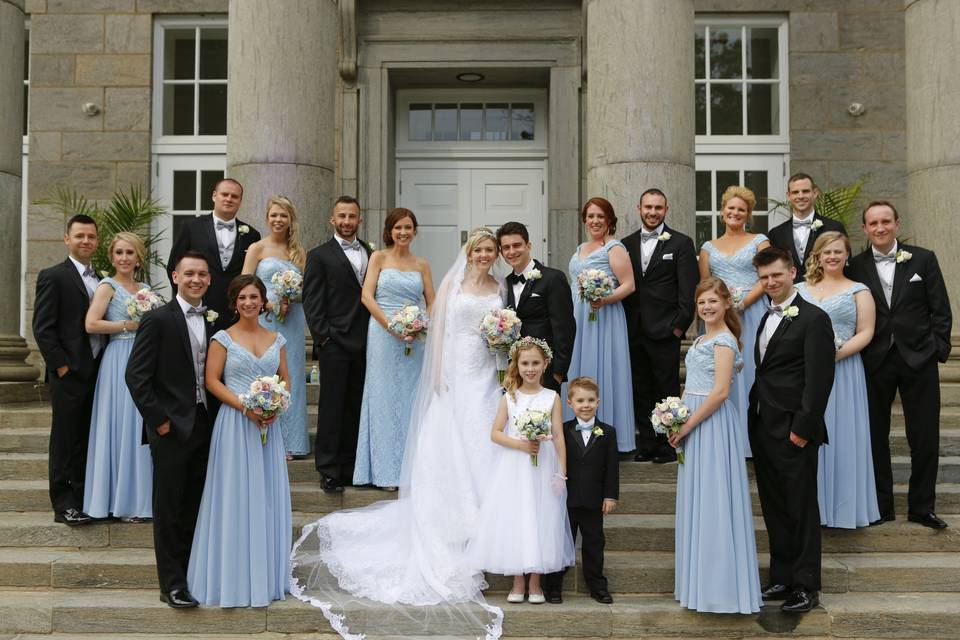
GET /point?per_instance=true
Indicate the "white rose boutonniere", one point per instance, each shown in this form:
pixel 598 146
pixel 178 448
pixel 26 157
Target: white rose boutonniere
pixel 791 312
pixel 242 229
pixel 212 316
pixel 903 256
pixel 371 246
pixel 597 431
pixel 663 237
pixel 816 224
pixel 533 274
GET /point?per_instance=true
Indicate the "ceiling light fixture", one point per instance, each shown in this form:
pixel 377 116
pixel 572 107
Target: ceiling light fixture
pixel 470 76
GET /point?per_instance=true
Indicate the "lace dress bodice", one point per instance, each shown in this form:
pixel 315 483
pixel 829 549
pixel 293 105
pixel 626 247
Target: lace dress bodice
pixel 701 367
pixel 242 367
pixel 117 309
pixel 841 307
pixel 736 271
pixel 467 355
pixel 397 289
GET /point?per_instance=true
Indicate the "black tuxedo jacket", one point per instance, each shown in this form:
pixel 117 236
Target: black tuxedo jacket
pixel 794 380
pixel 59 313
pixel 331 300
pixel 545 309
pixel 198 234
pixel 782 236
pixel 593 471
pixel 663 300
pixel 160 374
pixel 918 317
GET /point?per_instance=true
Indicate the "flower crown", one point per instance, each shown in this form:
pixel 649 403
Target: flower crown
pixel 483 232
pixel 527 341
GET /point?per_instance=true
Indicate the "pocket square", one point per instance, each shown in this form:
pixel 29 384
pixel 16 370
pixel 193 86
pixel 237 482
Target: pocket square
pixel 667 256
pixel 916 278
pixel 534 295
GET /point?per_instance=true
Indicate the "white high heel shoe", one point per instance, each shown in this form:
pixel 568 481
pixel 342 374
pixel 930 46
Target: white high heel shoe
pixel 514 597
pixel 536 598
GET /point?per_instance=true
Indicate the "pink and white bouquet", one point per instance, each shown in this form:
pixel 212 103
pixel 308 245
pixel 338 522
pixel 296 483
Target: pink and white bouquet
pixel 500 329
pixel 268 397
pixel 667 416
pixel 534 424
pixel 411 322
pixel 287 286
pixel 736 297
pixel 141 302
pixel 594 284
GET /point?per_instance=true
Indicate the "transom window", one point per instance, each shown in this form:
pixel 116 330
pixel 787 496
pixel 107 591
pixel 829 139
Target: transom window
pixel 471 121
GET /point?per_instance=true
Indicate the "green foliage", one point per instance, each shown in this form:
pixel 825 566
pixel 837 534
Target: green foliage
pixel 130 210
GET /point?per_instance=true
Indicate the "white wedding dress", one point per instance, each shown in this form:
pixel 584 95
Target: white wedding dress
pixel 399 567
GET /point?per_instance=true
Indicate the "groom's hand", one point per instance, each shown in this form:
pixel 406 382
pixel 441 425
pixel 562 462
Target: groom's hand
pixel 609 506
pixel 163 429
pixel 797 440
pixel 558 377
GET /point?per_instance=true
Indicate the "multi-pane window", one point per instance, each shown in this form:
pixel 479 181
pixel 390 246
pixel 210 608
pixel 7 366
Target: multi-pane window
pixel 760 174
pixel 468 121
pixel 192 189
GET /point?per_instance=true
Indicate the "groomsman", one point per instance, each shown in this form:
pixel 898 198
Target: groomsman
pixel 911 336
pixel 165 375
pixel 332 281
pixel 794 353
pixel 223 240
pixel 72 358
pixel 798 234
pixel 658 313
pixel 542 298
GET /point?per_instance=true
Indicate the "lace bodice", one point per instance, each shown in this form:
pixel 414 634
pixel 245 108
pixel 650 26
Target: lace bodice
pixel 242 367
pixel 269 266
pixel 700 363
pixel 841 307
pixel 542 401
pixel 466 354
pixel 599 259
pixel 117 309
pixel 397 289
pixel 736 271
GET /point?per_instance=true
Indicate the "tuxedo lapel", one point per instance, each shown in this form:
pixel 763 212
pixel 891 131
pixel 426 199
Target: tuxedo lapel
pixel 899 278
pixel 782 328
pixel 511 299
pixel 756 341
pixel 210 238
pixel 342 258
pixel 811 237
pixel 75 278
pixel 657 253
pixel 576 437
pixel 240 244
pixel 593 439
pixel 180 322
pixel 528 286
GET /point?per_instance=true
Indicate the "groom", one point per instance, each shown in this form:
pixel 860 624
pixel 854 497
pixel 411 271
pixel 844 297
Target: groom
pixel 794 353
pixel 165 375
pixel 542 299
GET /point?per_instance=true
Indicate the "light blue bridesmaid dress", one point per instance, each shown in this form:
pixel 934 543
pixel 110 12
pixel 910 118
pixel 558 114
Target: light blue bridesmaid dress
pixel 601 350
pixel 293 424
pixel 119 476
pixel 390 384
pixel 241 546
pixel 846 489
pixel 715 549
pixel 737 272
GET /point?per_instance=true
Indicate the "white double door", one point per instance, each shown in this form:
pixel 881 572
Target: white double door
pixel 450 198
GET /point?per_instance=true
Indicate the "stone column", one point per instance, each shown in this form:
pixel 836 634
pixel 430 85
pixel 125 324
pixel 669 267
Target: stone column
pixel 13 348
pixel 640 106
pixel 933 128
pixel 281 108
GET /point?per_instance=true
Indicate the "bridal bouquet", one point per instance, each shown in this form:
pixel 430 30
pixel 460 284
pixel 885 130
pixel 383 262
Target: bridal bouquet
pixel 500 328
pixel 268 397
pixel 287 285
pixel 667 416
pixel 594 284
pixel 141 302
pixel 410 322
pixel 533 424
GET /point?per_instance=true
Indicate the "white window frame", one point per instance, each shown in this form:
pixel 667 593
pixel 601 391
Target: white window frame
pixel 747 143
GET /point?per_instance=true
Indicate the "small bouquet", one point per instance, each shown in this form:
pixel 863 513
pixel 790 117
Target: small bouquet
pixel 410 322
pixel 533 424
pixel 667 416
pixel 500 328
pixel 594 284
pixel 736 297
pixel 268 397
pixel 287 285
pixel 141 302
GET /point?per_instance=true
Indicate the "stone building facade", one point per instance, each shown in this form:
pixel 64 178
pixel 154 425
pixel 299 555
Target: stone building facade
pixel 470 112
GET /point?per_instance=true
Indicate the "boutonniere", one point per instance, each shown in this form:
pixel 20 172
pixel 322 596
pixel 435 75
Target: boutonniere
pixel 212 316
pixel 597 431
pixel 816 224
pixel 533 274
pixel 242 229
pixel 663 237
pixel 372 247
pixel 903 256
pixel 791 312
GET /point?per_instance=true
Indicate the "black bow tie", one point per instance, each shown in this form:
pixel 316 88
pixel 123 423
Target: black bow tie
pixel 514 278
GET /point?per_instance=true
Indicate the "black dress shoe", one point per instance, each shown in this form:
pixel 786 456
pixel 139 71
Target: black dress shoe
pixel 665 457
pixel 179 599
pixel 775 592
pixel 884 517
pixel 553 597
pixel 72 517
pixel 645 456
pixel 800 601
pixel 929 520
pixel 602 596
pixel 330 485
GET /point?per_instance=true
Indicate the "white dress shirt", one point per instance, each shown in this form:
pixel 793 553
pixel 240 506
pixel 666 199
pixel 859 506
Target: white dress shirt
pixel 225 239
pixel 194 321
pixel 801 234
pixel 586 434
pixel 518 286
pixel 90 283
pixel 353 255
pixel 648 245
pixel 773 321
pixel 886 270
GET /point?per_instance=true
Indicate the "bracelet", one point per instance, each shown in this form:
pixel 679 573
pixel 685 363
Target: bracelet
pixel 557 475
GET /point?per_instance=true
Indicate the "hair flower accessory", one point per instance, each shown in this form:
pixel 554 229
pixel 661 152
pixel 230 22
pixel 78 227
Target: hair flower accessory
pixel 243 229
pixel 816 224
pixel 903 256
pixel 663 237
pixel 791 312
pixel 530 340
pixel 532 274
pixel 212 316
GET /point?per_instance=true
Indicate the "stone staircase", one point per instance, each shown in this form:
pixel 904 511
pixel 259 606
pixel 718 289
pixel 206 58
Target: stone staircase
pixel 99 581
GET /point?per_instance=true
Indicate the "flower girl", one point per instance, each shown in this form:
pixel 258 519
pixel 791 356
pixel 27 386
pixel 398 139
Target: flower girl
pixel 523 526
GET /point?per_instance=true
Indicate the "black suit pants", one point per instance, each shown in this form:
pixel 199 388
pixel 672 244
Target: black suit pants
pixel 338 413
pixel 920 395
pixel 179 472
pixel 655 365
pixel 590 524
pixel 787 484
pixel 71 400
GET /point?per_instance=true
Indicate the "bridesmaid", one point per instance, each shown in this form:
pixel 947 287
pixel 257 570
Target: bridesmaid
pixel 716 555
pixel 846 488
pixel 395 279
pixel 730 258
pixel 280 251
pixel 119 477
pixel 601 350
pixel 241 546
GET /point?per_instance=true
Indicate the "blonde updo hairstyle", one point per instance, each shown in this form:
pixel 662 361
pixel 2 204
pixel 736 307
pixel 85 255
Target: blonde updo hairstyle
pixel 295 251
pixel 736 191
pixel 139 248
pixel 478 235
pixel 814 266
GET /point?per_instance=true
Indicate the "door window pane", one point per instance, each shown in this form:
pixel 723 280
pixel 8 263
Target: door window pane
pixel 207 181
pixel 725 56
pixel 420 122
pixel 703 191
pixel 756 181
pixel 496 125
pixel 445 122
pixel 762 54
pixel 700 98
pixel 213 54
pixel 704 229
pixel 763 109
pixel 185 191
pixel 726 109
pixel 179 49
pixel 471 122
pixel 699 53
pixel 192 96
pixel 724 180
pixel 178 110
pixel 213 110
pixel 758 223
pixel 521 121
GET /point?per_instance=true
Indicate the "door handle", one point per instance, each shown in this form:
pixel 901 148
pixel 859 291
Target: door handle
pixel 463 238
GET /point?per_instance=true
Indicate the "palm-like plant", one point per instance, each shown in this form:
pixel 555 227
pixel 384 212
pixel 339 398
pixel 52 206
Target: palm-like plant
pixel 130 210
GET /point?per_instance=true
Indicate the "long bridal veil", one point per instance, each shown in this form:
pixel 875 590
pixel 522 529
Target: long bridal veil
pixel 397 568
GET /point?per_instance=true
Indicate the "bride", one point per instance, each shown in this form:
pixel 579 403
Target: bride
pixel 398 567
